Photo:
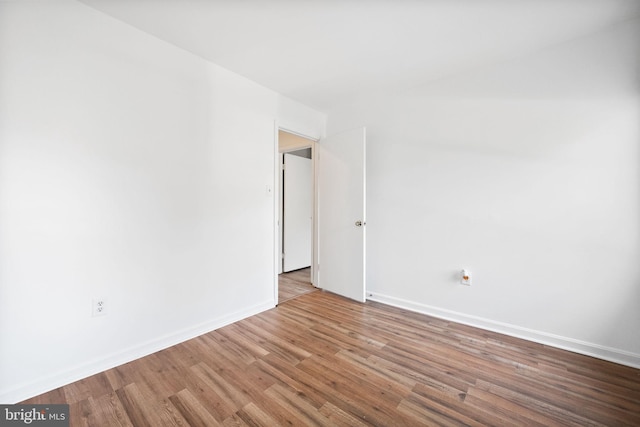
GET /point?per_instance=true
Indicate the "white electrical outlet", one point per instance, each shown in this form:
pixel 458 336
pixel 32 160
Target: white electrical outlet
pixel 98 307
pixel 465 277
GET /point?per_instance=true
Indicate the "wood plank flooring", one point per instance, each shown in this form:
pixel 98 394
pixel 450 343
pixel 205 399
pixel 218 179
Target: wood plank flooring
pixel 320 359
pixel 294 284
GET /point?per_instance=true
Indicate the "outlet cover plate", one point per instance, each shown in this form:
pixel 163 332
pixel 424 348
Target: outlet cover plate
pixel 98 307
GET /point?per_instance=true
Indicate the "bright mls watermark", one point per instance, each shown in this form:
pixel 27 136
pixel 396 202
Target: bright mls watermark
pixel 34 415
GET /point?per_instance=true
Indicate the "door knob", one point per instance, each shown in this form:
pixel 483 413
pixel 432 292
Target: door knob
pixel 360 223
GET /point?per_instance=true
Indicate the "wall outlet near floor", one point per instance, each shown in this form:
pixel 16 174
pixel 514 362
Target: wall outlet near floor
pixel 465 277
pixel 98 307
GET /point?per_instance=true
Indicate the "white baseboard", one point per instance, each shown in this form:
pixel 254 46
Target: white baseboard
pixel 601 352
pixel 25 391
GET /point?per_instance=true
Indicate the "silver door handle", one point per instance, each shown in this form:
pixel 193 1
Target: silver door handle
pixel 360 223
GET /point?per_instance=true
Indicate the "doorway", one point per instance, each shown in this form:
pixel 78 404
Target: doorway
pixel 296 215
pixel 294 284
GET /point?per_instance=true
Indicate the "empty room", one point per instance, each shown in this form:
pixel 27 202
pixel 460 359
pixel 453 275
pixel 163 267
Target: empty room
pixel 471 212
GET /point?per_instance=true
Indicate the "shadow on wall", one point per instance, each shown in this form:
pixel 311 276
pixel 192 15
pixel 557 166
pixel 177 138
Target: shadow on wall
pixel 627 297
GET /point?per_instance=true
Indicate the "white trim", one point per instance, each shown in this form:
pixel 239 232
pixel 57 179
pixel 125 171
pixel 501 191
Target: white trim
pixel 25 391
pixel 280 212
pixel 277 173
pixel 589 349
pixel 315 240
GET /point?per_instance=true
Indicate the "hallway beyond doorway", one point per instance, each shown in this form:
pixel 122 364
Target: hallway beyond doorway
pixel 294 284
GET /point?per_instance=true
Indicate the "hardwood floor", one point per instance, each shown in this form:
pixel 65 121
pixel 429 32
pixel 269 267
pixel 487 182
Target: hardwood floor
pixel 294 284
pixel 320 359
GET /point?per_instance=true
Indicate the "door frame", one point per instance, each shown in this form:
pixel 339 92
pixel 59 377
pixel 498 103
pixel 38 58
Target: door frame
pixel 277 208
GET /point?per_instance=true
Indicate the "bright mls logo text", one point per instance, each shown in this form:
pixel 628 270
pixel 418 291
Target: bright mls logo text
pixel 39 415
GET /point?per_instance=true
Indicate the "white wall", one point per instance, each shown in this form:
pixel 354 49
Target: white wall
pixel 527 173
pixel 129 170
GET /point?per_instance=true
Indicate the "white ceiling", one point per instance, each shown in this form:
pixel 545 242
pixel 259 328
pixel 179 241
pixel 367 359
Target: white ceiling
pixel 327 52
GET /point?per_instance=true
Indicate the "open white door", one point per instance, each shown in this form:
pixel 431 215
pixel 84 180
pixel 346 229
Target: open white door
pixel 297 212
pixel 341 207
